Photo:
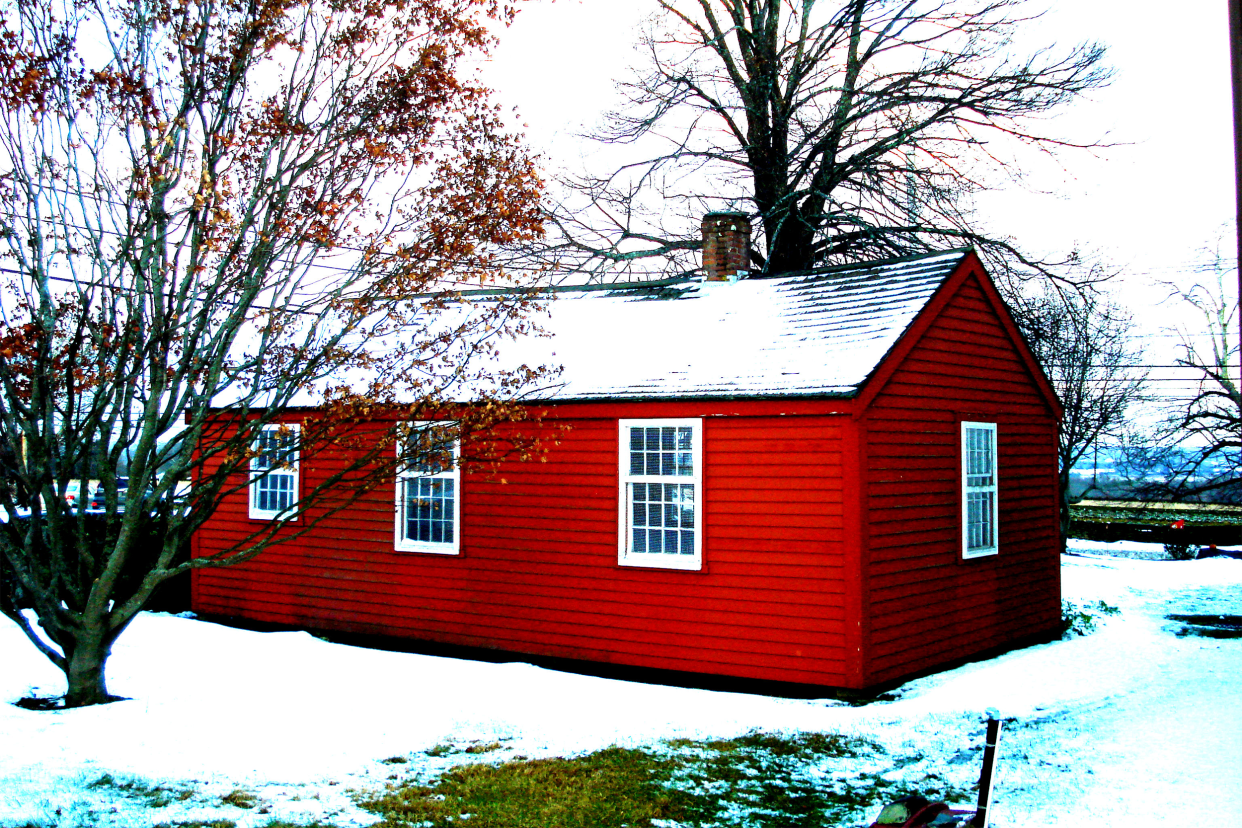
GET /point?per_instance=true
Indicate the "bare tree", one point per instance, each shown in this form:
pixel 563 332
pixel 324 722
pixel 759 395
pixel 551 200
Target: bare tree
pixel 211 213
pixel 1197 453
pixel 1085 343
pixel 847 129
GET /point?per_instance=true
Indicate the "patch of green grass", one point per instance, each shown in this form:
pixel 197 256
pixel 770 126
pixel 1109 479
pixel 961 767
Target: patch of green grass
pixel 800 745
pixel 448 748
pixel 105 781
pixel 156 796
pixel 240 798
pixel 198 823
pixel 395 760
pixel 1082 619
pixel 480 747
pixel 442 749
pixel 607 789
pixel 760 780
pixel 768 780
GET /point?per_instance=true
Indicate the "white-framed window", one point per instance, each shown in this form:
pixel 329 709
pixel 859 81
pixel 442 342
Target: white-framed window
pixel 661 493
pixel 274 471
pixel 979 507
pixel 429 490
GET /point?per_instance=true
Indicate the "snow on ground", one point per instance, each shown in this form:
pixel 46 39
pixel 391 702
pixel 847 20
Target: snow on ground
pixel 1129 726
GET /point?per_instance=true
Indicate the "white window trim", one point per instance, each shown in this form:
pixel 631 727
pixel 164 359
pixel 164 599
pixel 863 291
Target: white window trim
pixel 403 544
pixel 650 560
pixel 994 489
pixel 296 473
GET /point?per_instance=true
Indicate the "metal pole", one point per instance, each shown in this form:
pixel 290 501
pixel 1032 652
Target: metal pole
pixel 987 776
pixel 1235 64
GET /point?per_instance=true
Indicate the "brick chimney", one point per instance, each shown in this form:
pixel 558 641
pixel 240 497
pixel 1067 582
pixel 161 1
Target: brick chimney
pixel 726 246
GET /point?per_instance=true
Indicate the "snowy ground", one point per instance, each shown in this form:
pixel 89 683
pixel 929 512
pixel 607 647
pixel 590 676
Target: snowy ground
pixel 1129 726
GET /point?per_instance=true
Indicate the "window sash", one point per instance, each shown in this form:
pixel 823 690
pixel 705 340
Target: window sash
pixel 428 509
pixel 660 493
pixel 274 471
pixel 980 530
pixel 274 492
pixel 429 505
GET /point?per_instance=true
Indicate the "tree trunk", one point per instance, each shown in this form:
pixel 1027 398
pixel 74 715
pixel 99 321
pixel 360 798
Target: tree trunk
pixel 791 243
pixel 84 670
pixel 1063 484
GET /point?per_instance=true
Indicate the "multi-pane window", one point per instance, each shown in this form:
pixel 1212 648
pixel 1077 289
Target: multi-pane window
pixel 979 490
pixel 274 471
pixel 428 490
pixel 661 481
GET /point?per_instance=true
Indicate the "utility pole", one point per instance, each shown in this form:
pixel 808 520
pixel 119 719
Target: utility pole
pixel 1235 64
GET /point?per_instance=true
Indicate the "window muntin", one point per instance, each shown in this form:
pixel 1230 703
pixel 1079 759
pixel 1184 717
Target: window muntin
pixel 274 472
pixel 979 490
pixel 429 490
pixel 661 493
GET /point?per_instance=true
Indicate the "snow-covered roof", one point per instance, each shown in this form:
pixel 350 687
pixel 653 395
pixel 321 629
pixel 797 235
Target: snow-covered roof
pixel 816 333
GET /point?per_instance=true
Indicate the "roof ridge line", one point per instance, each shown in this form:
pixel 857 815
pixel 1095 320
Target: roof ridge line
pixel 913 257
pixel 684 280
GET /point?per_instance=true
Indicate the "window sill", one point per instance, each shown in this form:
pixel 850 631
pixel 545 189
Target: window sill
pixel 672 562
pixel 272 516
pixel 442 549
pixel 980 553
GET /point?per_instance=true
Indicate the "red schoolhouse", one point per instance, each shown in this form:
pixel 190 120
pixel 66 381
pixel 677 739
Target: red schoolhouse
pixel 841 478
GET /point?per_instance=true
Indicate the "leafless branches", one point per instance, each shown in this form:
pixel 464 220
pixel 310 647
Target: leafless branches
pixel 854 129
pixel 1197 453
pixel 1085 343
pixel 211 212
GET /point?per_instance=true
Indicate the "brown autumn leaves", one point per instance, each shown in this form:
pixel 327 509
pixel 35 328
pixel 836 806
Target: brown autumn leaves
pixel 212 214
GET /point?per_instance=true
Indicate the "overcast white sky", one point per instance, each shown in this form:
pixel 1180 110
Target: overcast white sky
pixel 1148 204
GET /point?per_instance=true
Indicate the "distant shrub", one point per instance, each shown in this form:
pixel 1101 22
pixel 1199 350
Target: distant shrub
pixel 1081 619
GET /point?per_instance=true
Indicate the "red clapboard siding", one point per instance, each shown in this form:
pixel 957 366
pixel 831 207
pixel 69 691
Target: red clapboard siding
pixel 538 571
pixel 925 605
pixel 831 531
